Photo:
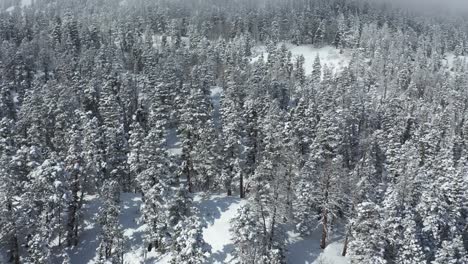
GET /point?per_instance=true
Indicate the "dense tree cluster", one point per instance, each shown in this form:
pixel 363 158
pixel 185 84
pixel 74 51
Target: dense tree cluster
pixel 90 89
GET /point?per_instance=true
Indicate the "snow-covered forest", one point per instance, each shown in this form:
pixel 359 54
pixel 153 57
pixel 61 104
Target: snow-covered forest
pixel 233 131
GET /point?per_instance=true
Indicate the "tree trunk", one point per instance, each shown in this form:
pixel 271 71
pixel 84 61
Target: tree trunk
pixel 189 164
pixel 189 177
pixel 73 209
pixel 289 206
pixel 345 246
pixel 323 242
pixel 241 186
pixel 15 257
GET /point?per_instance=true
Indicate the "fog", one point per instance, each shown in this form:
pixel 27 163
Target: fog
pixel 429 5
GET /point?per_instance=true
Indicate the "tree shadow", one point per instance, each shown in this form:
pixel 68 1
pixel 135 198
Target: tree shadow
pixel 220 256
pixel 133 229
pixel 86 249
pixel 306 249
pixel 212 208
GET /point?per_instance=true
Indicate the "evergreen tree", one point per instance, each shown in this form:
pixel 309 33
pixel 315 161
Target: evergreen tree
pixel 368 243
pixel 189 246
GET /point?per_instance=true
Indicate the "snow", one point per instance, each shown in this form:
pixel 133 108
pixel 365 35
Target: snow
pixel 174 147
pixel 328 55
pixel 133 230
pixel 216 93
pixel 85 251
pixel 450 58
pixel 307 250
pixel 23 4
pixel 157 40
pixel 217 211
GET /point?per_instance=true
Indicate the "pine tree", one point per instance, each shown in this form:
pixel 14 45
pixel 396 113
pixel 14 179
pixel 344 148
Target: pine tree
pixel 451 251
pixel 111 237
pixel 154 183
pixel 232 129
pixel 189 246
pixel 316 71
pixel 136 155
pixel 248 235
pixel 76 170
pixel 411 250
pixel 368 243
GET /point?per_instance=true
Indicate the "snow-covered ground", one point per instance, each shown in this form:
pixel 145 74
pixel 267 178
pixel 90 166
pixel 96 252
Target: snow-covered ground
pixel 85 251
pixel 450 58
pixel 133 230
pixel 23 4
pixel 174 146
pixel 307 250
pixel 216 93
pixel 328 55
pixel 216 211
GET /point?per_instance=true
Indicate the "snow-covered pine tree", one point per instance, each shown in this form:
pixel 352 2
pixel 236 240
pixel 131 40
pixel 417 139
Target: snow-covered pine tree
pixel 233 126
pixel 111 239
pixel 452 251
pixel 154 183
pixel 189 246
pixel 410 247
pixel 136 160
pixel 368 243
pixel 248 235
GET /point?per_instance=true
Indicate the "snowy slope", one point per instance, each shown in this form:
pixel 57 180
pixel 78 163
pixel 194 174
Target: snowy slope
pixel 328 55
pixel 23 4
pixel 174 146
pixel 217 211
pixel 85 252
pixel 308 251
pixel 216 93
pixel 450 58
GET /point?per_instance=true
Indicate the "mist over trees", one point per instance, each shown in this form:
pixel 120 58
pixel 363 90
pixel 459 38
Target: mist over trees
pixel 89 91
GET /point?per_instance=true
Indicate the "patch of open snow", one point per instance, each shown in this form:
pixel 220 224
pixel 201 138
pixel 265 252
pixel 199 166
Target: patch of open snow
pixel 216 93
pixel 133 230
pixel 157 40
pixel 174 146
pixel 217 211
pixel 328 55
pixel 450 58
pixel 85 251
pixel 306 250
pixel 22 4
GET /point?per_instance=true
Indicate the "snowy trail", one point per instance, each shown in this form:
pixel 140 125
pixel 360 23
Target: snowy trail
pixel 217 211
